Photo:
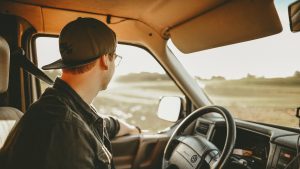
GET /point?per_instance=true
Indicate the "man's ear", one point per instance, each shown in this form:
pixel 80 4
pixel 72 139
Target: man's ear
pixel 103 61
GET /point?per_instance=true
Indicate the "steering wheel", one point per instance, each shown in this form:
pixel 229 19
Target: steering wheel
pixel 191 152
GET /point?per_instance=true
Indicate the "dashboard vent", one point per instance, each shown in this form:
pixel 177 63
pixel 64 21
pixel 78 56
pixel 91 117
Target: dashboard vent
pixel 202 128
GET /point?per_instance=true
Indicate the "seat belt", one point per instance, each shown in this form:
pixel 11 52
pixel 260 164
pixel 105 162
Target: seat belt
pixel 18 55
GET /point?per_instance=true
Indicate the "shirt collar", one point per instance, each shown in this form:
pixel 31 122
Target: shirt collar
pixel 77 103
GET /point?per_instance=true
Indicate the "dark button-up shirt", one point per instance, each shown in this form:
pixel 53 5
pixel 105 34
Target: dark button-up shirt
pixel 60 131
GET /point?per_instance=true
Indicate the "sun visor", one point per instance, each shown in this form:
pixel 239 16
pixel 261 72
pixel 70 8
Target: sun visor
pixel 233 22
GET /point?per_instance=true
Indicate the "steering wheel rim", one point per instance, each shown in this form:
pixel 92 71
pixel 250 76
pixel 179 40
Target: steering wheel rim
pixel 230 134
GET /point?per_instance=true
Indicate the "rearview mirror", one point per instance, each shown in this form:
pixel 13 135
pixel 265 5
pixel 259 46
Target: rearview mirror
pixel 294 16
pixel 170 108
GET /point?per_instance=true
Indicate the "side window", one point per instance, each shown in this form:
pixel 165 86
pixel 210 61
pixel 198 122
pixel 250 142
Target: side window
pixel 134 92
pixel 47 51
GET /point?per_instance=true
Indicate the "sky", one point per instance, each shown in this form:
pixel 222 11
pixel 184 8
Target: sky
pixel 274 56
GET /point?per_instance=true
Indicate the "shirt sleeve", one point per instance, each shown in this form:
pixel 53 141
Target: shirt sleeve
pixel 113 126
pixel 70 147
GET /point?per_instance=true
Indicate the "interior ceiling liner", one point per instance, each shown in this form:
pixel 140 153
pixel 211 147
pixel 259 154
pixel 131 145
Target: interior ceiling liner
pixel 235 21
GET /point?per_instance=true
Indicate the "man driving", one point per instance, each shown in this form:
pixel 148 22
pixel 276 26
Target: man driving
pixel 62 129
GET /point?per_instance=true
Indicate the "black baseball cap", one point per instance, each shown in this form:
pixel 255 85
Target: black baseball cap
pixel 82 41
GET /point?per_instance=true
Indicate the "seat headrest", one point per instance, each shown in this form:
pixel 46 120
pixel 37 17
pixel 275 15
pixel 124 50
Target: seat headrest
pixel 4 65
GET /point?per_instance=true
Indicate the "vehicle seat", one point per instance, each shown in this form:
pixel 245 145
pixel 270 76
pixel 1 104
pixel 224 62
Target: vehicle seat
pixel 8 115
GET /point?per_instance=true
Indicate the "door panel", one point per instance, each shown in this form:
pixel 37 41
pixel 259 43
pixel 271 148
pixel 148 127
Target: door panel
pixel 142 151
pixel 124 151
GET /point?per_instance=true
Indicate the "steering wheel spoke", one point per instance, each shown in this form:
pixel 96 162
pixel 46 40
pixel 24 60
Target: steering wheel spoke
pixel 213 160
pixel 179 138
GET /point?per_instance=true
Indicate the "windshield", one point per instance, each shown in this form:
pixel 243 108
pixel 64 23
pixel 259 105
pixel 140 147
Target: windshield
pixel 257 80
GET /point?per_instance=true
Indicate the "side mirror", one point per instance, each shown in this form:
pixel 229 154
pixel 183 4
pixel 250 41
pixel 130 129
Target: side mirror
pixel 170 108
pixel 294 16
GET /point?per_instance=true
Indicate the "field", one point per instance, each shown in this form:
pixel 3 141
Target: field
pixel 135 98
pixel 262 100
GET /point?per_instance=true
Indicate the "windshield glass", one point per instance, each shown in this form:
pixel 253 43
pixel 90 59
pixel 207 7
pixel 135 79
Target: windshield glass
pixel 257 80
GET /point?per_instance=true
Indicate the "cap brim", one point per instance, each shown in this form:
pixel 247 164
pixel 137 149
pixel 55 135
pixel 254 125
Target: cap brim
pixel 60 65
pixel 55 65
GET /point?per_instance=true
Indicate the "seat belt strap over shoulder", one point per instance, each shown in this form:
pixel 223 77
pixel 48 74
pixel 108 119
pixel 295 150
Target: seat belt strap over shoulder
pixel 19 57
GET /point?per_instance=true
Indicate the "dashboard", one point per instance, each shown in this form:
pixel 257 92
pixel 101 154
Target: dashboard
pixel 257 146
pixel 251 149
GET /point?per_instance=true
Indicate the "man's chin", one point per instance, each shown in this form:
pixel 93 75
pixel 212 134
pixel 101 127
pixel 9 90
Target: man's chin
pixel 104 87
